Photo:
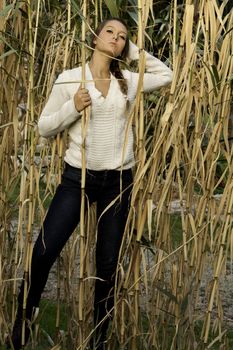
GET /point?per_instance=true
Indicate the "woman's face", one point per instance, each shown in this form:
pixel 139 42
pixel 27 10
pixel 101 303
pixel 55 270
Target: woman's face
pixel 111 39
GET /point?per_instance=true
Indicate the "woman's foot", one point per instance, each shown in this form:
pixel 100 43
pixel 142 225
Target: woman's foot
pixel 16 338
pixel 21 329
pixel 98 342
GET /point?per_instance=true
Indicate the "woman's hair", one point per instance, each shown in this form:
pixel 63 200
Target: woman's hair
pixel 114 66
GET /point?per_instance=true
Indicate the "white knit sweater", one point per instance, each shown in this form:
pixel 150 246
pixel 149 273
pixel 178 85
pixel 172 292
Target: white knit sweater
pixel 108 121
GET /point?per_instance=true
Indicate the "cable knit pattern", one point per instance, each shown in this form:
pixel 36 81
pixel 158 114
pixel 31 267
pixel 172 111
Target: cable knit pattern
pixel 108 121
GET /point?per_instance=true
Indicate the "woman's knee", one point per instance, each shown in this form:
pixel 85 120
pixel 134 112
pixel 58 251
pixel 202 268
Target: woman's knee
pixel 43 252
pixel 106 269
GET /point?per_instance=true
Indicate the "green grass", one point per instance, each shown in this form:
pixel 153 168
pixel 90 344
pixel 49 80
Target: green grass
pixel 47 325
pixel 176 230
pixel 47 317
pixel 165 343
pixel 227 338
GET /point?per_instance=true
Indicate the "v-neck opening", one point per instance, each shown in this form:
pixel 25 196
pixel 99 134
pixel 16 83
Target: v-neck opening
pixel 93 80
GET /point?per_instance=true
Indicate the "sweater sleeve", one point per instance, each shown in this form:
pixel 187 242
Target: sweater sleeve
pixel 157 73
pixel 59 111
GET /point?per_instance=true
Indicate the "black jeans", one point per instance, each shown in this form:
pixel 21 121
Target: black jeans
pixel 62 218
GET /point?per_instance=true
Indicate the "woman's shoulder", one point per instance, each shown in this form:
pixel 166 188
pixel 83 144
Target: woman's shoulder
pixel 71 74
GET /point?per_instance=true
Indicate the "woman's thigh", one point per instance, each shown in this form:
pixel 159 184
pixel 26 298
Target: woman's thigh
pixel 112 215
pixel 62 217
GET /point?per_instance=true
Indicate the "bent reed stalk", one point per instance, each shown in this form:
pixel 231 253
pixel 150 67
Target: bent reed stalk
pixel 184 155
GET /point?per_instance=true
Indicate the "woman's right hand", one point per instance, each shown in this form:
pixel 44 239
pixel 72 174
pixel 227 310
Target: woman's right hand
pixel 82 99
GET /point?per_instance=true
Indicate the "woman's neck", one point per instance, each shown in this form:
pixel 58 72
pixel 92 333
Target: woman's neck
pixel 100 65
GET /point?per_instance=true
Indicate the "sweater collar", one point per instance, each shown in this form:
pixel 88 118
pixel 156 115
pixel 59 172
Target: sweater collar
pixel 91 84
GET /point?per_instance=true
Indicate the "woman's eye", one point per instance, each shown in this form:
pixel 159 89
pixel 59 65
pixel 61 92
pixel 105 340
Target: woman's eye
pixel 109 31
pixel 122 37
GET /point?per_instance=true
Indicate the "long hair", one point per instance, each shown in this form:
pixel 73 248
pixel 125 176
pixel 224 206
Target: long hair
pixel 114 66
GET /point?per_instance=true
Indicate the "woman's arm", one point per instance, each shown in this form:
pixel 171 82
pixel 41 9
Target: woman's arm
pixel 59 112
pixel 157 73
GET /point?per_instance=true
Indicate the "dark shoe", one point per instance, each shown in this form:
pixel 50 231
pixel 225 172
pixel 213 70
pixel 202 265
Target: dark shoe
pixel 98 344
pixel 17 333
pixel 16 337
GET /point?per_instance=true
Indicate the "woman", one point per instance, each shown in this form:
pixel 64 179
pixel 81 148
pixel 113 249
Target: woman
pixel 108 92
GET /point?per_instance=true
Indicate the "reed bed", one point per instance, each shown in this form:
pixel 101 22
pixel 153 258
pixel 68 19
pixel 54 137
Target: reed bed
pixel 183 150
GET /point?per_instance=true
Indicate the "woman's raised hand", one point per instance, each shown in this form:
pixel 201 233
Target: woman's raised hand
pixel 82 99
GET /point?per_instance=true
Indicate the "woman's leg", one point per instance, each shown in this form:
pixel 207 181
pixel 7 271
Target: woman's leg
pixel 62 218
pixel 110 231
